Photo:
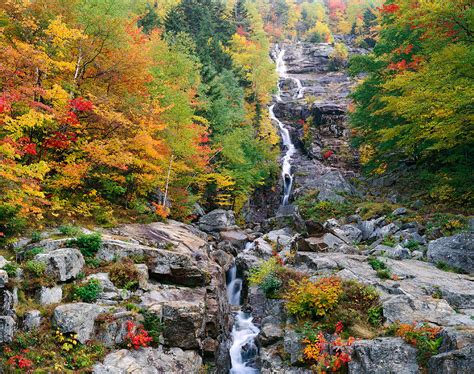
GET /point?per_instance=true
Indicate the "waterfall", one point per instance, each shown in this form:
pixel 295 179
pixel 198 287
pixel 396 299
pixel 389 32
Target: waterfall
pixel 243 350
pixel 286 174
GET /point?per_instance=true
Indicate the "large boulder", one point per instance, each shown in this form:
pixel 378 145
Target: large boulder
pixel 63 264
pixel 7 329
pixel 236 237
pixel 383 356
pixel 460 361
pixel 456 251
pixel 78 318
pixel 150 361
pixel 217 220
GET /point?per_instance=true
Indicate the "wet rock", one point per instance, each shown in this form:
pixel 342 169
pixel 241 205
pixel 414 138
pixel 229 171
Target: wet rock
pixel 400 211
pixel 238 238
pixel 407 309
pixel 50 295
pixel 7 329
pixel 293 347
pixel 387 230
pixel 183 324
pixel 32 320
pixel 7 301
pixel 351 232
pixel 456 251
pixel 150 361
pixel 3 262
pixel 3 278
pixel 311 244
pixel 460 361
pixel 281 239
pixel 259 251
pixel 78 318
pixel 397 252
pixel 62 264
pixel 224 259
pixel 217 220
pixel 112 328
pixel 143 276
pixel 270 333
pixel 383 356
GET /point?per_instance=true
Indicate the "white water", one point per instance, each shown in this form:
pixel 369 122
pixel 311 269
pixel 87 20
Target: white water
pixel 286 174
pixel 243 349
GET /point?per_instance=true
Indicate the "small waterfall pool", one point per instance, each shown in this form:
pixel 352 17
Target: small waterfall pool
pixel 243 351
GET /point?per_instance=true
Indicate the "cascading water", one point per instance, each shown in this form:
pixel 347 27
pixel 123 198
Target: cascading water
pixel 286 174
pixel 243 350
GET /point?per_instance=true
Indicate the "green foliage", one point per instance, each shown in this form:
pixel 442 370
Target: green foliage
pixel 444 266
pixel 35 236
pixel 11 223
pixel 153 325
pixel 35 268
pixel 88 292
pixel 69 230
pixel 270 285
pixel 384 274
pixel 412 245
pixel 32 252
pixel 11 269
pixel 88 244
pixel 411 109
pixel 259 274
pixel 313 209
pixel 381 268
pixel 375 316
pixel 447 224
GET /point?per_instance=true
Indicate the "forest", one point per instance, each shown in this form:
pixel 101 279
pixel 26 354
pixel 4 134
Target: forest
pixel 113 110
pixel 236 186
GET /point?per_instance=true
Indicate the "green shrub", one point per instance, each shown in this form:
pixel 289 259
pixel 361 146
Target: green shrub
pixel 313 209
pixel 258 274
pixel 69 230
pixel 31 253
pixel 388 241
pixel 412 245
pixel 11 269
pixel 124 274
pixel 35 236
pixel 270 285
pixel 444 266
pixel 153 325
pixel 10 222
pixel 35 268
pixel 377 264
pixel 375 316
pixel 89 291
pixel 384 274
pixel 88 244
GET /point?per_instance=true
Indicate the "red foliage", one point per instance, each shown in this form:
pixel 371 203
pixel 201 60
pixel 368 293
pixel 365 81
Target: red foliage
pixel 60 140
pixel 137 337
pixel 339 327
pixel 328 154
pixel 4 105
pixel 70 118
pixel 404 65
pixel 241 31
pixel 20 362
pixel 389 8
pixel 300 122
pixel 81 104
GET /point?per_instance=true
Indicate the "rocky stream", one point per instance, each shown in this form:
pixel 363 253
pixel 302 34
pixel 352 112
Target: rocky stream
pixel 192 277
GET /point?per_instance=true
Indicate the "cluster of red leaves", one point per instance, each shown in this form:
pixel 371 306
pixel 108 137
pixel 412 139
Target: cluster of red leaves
pixel 327 154
pixel 404 65
pixel 137 337
pixel 20 362
pixel 241 31
pixel 80 104
pixel 389 8
pixel 329 355
pixel 23 146
pixel 300 122
pixel 60 140
pixel 404 50
pixel 70 118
